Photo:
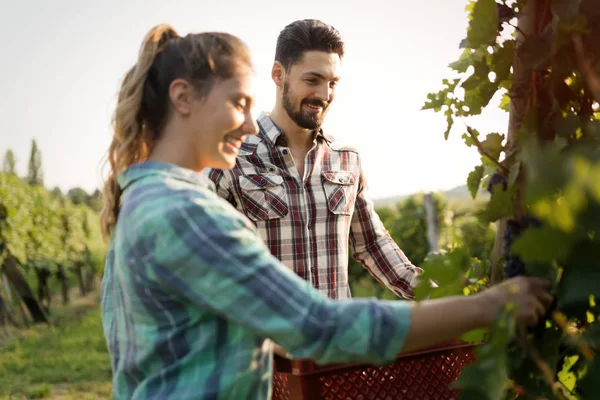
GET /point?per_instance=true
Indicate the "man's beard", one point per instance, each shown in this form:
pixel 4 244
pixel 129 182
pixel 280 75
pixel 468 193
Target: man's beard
pixel 304 120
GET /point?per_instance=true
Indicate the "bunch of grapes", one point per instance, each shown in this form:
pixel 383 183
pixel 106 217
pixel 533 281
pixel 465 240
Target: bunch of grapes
pixel 513 265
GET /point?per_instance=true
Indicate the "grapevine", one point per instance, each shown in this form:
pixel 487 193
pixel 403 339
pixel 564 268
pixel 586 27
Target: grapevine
pixel 43 236
pixel 541 60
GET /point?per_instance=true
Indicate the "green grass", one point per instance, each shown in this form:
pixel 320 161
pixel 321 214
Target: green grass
pixel 66 361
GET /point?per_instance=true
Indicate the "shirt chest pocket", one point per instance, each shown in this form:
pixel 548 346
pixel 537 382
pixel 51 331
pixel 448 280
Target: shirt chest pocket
pixel 340 191
pixel 264 196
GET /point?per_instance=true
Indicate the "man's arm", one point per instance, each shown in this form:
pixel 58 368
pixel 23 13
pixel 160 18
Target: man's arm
pixel 375 249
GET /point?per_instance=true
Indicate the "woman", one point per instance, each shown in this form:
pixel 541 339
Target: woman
pixel 190 292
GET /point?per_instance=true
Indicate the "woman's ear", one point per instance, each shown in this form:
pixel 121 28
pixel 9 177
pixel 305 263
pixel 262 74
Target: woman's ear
pixel 182 94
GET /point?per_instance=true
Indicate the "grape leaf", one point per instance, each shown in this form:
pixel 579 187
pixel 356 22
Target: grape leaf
pixel 499 206
pixel 448 271
pixel 588 386
pixel 542 244
pixel 502 59
pixel 505 102
pixel 492 145
pixel 468 58
pixel 580 277
pixel 483 26
pixel 490 370
pixel 449 122
pixel 474 180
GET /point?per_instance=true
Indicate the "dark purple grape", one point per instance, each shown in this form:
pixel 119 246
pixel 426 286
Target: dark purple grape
pixel 497 179
pixel 513 266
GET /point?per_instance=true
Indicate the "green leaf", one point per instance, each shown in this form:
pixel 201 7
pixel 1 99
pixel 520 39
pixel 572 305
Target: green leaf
pixel 474 180
pixel 490 370
pixel 502 60
pixel 505 102
pixel 448 271
pixel 449 122
pixel 478 77
pixel 479 90
pixel 480 97
pixel 467 58
pixel 588 386
pixel 542 244
pixel 492 145
pixel 526 373
pixel 499 206
pixel 476 336
pixel 483 26
pixel 567 126
pixel 468 138
pixel 580 278
pixel 435 101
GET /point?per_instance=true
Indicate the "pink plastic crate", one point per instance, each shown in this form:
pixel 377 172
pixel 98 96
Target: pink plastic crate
pixel 422 375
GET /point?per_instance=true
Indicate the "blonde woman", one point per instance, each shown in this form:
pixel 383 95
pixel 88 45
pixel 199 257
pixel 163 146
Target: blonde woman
pixel 190 291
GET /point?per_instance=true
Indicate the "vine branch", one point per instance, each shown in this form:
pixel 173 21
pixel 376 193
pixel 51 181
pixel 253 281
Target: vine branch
pixel 542 365
pixel 483 152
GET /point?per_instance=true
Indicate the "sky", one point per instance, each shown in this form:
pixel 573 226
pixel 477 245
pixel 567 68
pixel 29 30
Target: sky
pixel 62 62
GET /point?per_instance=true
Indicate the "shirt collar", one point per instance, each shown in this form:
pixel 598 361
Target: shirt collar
pixel 275 136
pixel 150 168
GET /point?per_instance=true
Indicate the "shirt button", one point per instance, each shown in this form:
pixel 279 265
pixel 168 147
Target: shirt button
pixel 309 226
pixel 271 169
pixel 285 152
pixel 312 269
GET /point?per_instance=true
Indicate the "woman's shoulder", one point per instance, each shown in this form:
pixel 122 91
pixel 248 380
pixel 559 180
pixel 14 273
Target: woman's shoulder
pixel 162 199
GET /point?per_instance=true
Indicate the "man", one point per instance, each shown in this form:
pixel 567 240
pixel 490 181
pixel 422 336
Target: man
pixel 305 192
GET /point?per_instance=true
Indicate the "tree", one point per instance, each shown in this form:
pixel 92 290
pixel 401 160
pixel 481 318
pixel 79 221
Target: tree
pixel 78 196
pixel 35 175
pixel 10 162
pixel 95 201
pixel 56 192
pixel 543 176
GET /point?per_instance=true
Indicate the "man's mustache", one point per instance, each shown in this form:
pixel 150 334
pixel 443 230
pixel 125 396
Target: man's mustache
pixel 315 103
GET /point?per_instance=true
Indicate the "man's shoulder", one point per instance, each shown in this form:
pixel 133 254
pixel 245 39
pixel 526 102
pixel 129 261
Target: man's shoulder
pixel 336 144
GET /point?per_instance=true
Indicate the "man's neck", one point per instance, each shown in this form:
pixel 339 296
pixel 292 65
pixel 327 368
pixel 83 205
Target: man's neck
pixel 297 137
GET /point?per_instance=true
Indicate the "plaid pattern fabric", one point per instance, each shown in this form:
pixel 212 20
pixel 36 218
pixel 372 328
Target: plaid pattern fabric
pixel 190 294
pixel 307 222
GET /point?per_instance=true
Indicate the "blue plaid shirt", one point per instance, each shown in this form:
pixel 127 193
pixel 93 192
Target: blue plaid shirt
pixel 191 296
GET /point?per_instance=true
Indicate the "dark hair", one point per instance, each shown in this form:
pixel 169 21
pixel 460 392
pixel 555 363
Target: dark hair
pixel 143 101
pixel 306 35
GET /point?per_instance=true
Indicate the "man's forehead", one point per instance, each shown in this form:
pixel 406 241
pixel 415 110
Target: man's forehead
pixel 318 63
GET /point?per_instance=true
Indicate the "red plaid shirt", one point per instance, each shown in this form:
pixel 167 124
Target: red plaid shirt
pixel 308 223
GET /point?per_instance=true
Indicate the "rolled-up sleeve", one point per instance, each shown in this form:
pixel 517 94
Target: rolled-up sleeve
pixel 375 249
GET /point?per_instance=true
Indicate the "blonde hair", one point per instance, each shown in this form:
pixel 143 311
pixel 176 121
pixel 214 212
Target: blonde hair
pixel 143 99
